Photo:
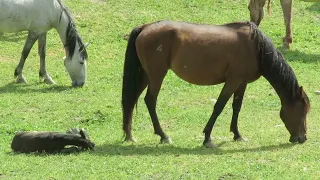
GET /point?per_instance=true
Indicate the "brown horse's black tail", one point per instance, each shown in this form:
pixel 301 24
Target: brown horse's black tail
pixel 132 79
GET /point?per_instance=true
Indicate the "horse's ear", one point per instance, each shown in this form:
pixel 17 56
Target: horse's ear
pixel 82 134
pixel 300 92
pixel 67 51
pixel 86 44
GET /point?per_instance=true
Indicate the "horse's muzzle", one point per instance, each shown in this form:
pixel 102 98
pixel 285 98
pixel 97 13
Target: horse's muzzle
pixel 299 139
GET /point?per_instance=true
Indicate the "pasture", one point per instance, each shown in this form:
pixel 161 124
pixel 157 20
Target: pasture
pixel 183 108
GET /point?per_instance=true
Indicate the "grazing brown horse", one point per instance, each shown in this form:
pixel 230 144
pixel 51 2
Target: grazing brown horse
pixel 256 14
pixel 236 54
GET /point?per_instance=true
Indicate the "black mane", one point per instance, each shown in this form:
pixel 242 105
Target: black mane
pixel 72 35
pixel 274 67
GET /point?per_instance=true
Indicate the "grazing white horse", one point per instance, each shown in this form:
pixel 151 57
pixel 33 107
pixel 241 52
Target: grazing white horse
pixel 37 17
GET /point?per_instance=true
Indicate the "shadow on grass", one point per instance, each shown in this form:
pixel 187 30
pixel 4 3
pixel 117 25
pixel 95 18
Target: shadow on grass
pixel 131 150
pixel 13 37
pixel 14 87
pixel 297 55
pixel 315 7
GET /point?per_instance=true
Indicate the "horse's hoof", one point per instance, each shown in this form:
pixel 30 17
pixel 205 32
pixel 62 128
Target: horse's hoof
pixel 166 140
pixel 48 81
pixel 209 144
pixel 130 139
pixel 286 45
pixel 21 80
pixel 241 139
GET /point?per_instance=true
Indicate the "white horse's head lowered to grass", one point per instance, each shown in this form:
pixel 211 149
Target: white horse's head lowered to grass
pixel 76 53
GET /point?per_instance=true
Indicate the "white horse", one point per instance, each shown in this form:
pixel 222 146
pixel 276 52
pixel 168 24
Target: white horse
pixel 37 17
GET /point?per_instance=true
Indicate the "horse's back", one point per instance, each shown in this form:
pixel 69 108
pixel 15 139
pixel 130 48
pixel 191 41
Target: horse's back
pixel 27 15
pixel 199 54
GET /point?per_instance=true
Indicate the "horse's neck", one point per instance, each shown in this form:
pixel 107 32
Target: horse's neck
pixel 285 95
pixel 284 98
pixel 62 27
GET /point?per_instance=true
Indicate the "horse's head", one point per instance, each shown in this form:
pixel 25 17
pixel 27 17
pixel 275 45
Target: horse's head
pixel 88 144
pixel 256 10
pixel 294 117
pixel 76 64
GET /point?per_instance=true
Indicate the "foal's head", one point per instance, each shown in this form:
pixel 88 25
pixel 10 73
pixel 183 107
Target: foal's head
pixel 256 10
pixel 294 114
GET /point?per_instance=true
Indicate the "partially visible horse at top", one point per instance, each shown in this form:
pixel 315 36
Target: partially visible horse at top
pixel 37 17
pixel 256 14
pixel 234 54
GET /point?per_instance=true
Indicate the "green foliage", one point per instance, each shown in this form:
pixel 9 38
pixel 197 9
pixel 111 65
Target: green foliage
pixel 183 108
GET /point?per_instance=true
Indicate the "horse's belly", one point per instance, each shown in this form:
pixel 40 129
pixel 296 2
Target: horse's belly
pixel 199 75
pixel 8 25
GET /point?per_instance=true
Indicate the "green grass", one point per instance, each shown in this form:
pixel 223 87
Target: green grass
pixel 183 108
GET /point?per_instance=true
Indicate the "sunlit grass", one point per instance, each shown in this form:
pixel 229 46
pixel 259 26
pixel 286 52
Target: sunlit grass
pixel 183 108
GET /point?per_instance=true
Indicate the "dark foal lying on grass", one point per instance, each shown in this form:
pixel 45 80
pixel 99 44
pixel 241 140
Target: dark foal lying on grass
pixel 51 142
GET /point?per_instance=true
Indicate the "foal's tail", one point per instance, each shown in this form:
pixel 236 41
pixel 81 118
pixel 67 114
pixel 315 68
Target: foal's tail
pixel 132 78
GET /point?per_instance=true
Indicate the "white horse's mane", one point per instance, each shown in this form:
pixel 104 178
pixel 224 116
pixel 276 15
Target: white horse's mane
pixel 71 33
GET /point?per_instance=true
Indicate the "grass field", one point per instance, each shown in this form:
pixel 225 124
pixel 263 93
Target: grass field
pixel 183 108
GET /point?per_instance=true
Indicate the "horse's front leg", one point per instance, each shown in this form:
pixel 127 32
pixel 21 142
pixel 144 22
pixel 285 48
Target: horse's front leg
pixel 228 89
pixel 287 11
pixel 236 106
pixel 31 39
pixel 43 75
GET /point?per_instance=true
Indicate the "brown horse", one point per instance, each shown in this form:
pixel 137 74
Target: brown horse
pixel 235 53
pixel 256 14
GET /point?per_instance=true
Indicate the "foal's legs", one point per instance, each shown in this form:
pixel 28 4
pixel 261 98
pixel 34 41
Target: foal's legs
pixel 31 39
pixel 151 101
pixel 236 106
pixel 228 89
pixel 42 53
pixel 287 11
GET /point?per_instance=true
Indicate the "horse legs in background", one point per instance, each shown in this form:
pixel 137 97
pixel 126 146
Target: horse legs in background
pixel 43 75
pixel 236 106
pixel 228 89
pixel 31 39
pixel 287 10
pixel 151 101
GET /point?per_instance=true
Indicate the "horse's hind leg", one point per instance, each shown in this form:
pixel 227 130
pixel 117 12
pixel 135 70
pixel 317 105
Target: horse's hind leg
pixel 31 39
pixel 42 53
pixel 151 100
pixel 236 106
pixel 228 89
pixel 128 111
